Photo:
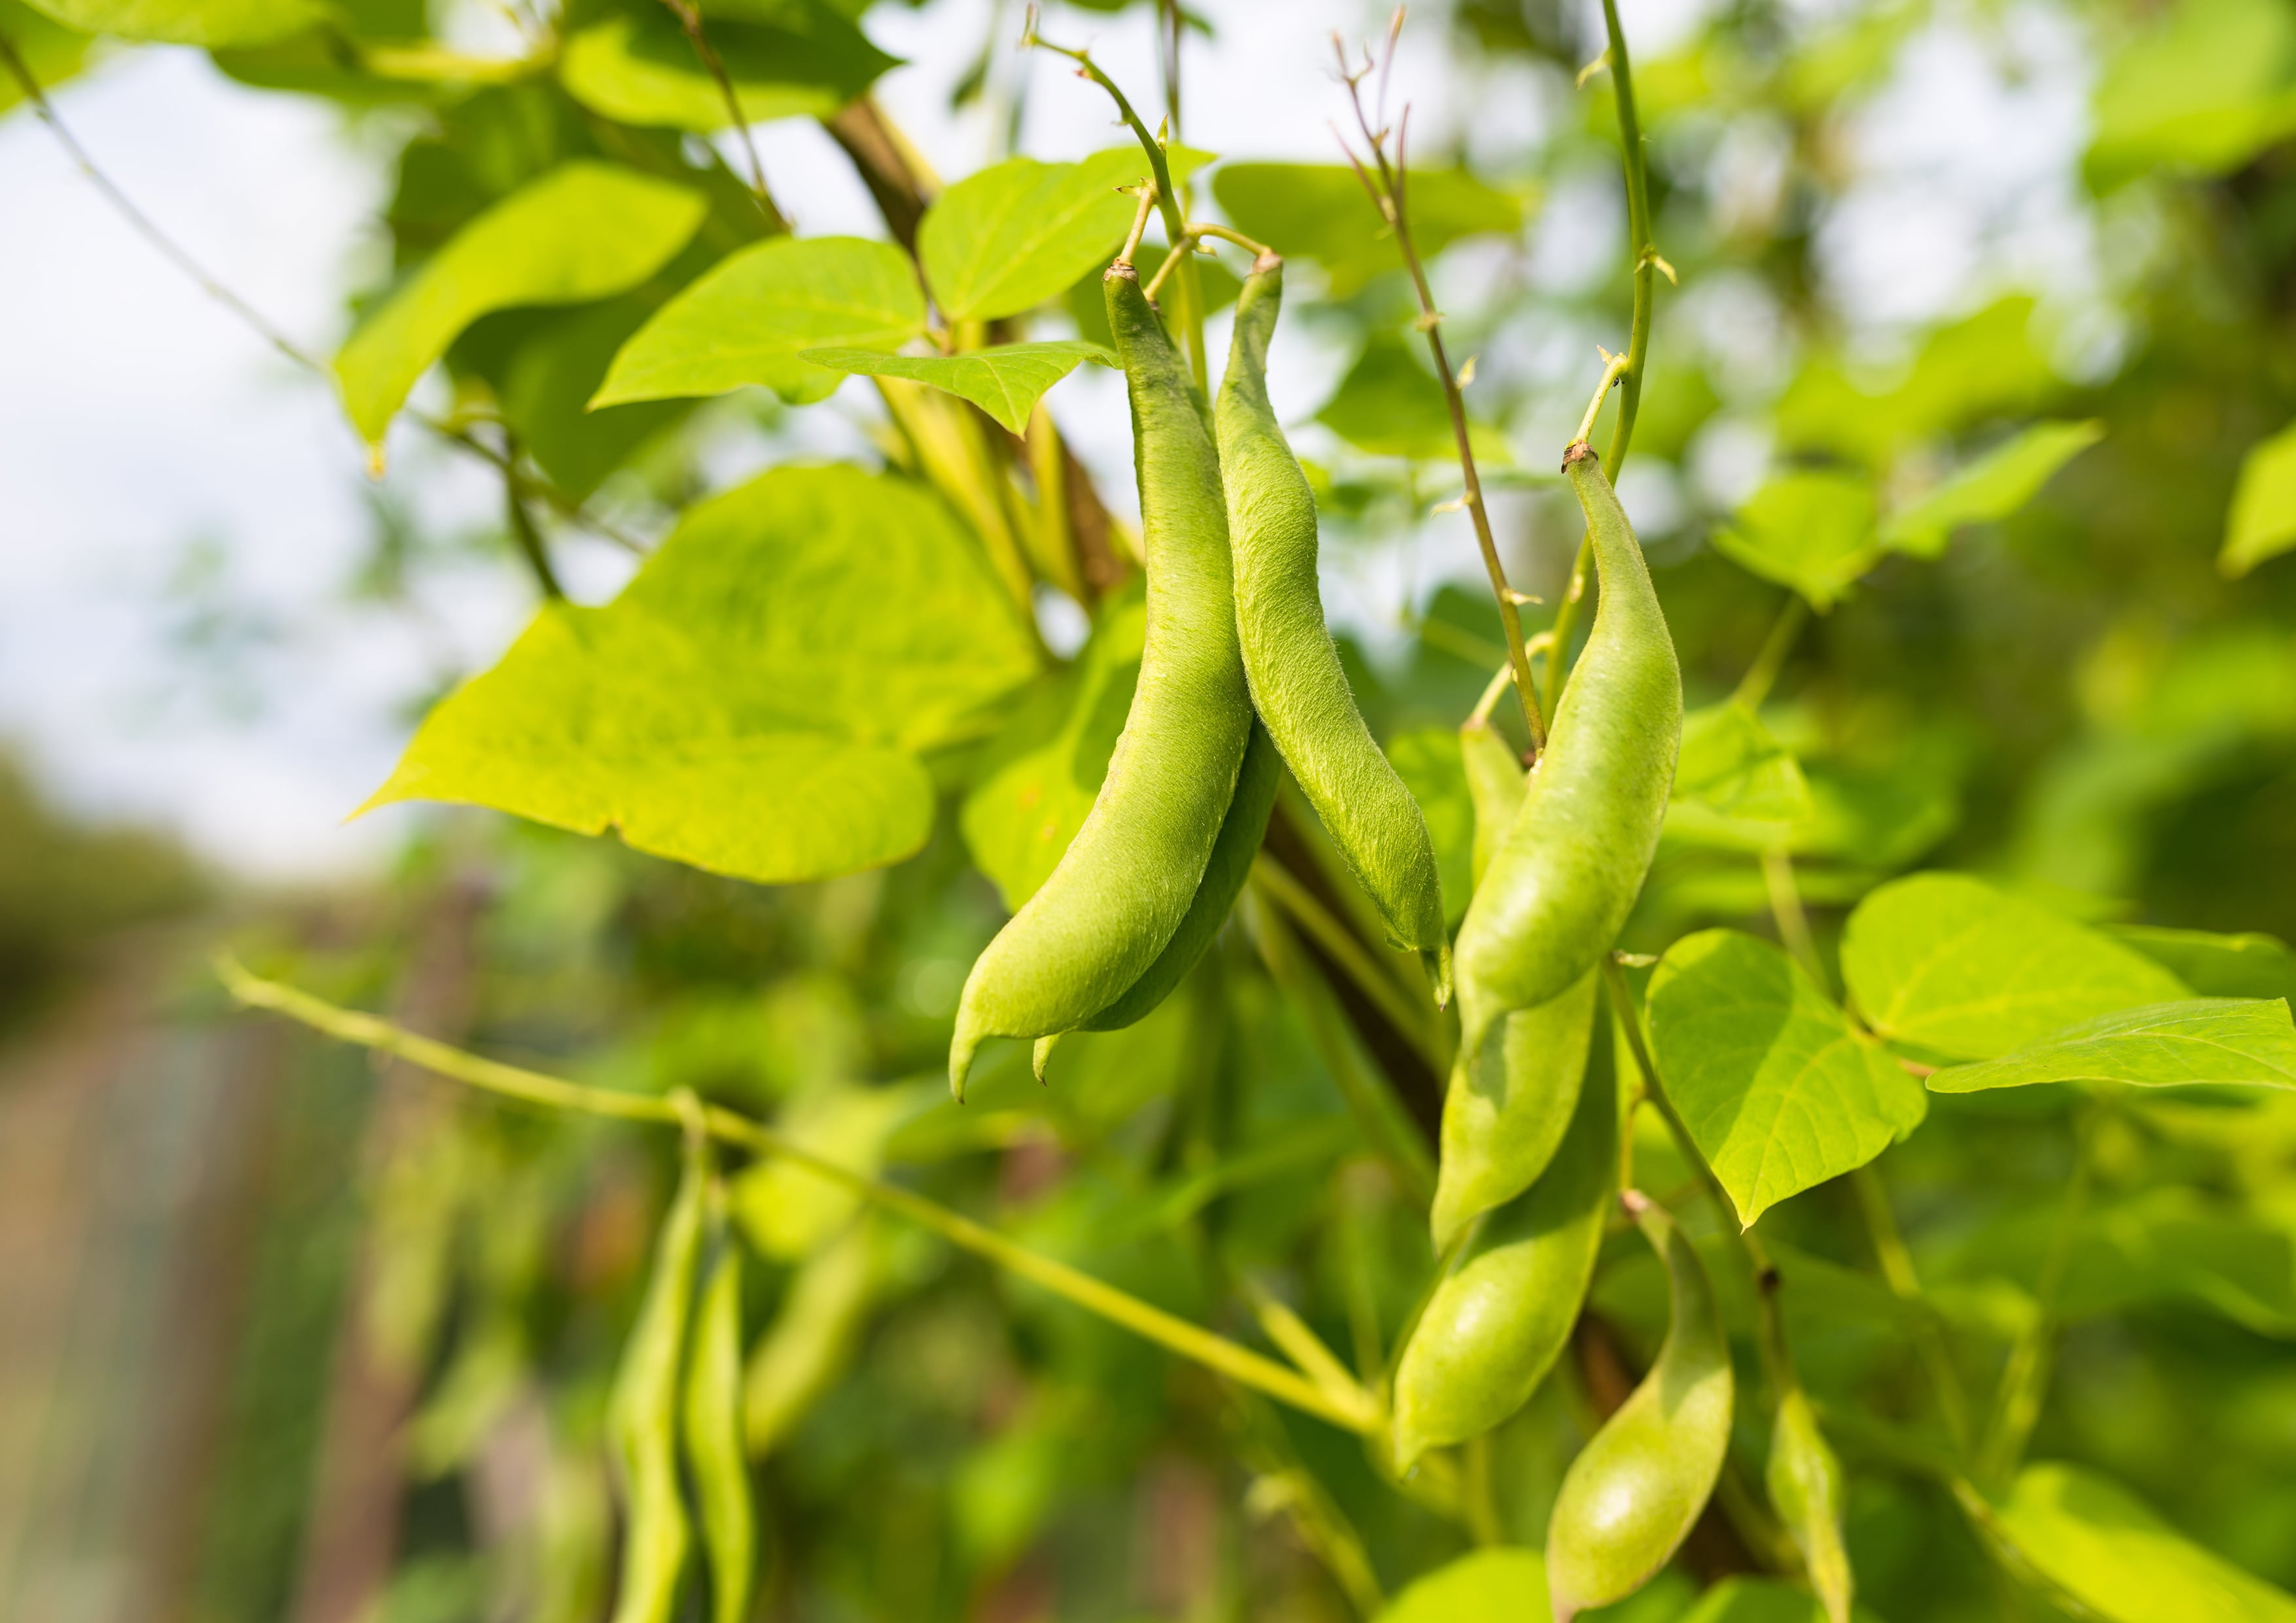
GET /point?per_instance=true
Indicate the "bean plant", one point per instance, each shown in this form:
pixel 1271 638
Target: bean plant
pixel 1732 1078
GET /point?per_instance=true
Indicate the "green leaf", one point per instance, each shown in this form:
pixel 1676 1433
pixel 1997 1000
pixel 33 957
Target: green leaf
pixel 1391 405
pixel 1320 211
pixel 749 318
pixel 2217 966
pixel 2262 522
pixel 639 67
pixel 583 230
pixel 1813 531
pixel 1039 775
pixel 557 369
pixel 1020 232
pixel 1779 1089
pixel 1993 486
pixel 1498 1585
pixel 1005 381
pixel 2211 84
pixel 2170 1044
pixel 1428 762
pixel 754 702
pixel 1960 969
pixel 2092 1537
pixel 188 22
pixel 1736 785
pixel 1984 367
pixel 50 52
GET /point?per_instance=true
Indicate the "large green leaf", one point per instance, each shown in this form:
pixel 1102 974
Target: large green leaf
pixel 638 67
pixel 2262 522
pixel 1993 486
pixel 2249 965
pixel 1736 786
pixel 1039 776
pixel 1391 405
pixel 2204 1039
pixel 1779 1089
pixel 1498 1584
pixel 1320 211
pixel 188 22
pixel 50 52
pixel 2204 89
pixel 1810 530
pixel 749 318
pixel 583 230
pixel 1006 381
pixel 2092 1537
pixel 1954 966
pixel 1020 232
pixel 755 700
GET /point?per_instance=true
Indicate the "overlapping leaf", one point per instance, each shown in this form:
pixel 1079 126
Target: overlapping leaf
pixel 638 67
pixel 2092 1537
pixel 1006 381
pixel 188 22
pixel 748 320
pixel 1811 531
pixel 754 701
pixel 1736 785
pixel 1779 1089
pixel 1993 486
pixel 1501 1584
pixel 2202 89
pixel 1950 964
pixel 2262 522
pixel 1319 211
pixel 2204 1039
pixel 583 230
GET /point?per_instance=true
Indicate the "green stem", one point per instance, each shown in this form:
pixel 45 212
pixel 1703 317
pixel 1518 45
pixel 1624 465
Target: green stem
pixel 689 18
pixel 1792 923
pixel 523 530
pixel 1897 1265
pixel 2025 1376
pixel 1645 261
pixel 1762 675
pixel 1175 1334
pixel 1339 944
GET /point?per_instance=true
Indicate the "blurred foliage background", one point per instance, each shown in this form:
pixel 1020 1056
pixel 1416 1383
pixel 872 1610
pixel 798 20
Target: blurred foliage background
pixel 291 1336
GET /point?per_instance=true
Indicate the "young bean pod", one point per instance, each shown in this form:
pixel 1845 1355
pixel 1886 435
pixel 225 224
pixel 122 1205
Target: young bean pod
pixel 713 1437
pixel 1297 685
pixel 1493 1327
pixel 1508 1105
pixel 1804 1479
pixel 642 1414
pixel 1572 861
pixel 1241 832
pixel 1633 1494
pixel 1131 873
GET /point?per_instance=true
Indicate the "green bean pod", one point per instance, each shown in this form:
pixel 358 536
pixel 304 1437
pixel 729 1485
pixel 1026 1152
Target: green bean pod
pixel 1128 878
pixel 1494 784
pixel 1507 1107
pixel 1804 1479
pixel 1633 1494
pixel 1241 832
pixel 1493 1326
pixel 802 1350
pixel 713 1438
pixel 1572 861
pixel 1297 685
pixel 642 1415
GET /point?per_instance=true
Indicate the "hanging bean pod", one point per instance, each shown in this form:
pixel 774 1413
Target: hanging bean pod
pixel 642 1414
pixel 713 1437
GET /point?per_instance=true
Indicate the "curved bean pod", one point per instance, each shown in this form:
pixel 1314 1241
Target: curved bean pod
pixel 1631 1496
pixel 1508 1105
pixel 713 1438
pixel 642 1415
pixel 1297 684
pixel 1493 1328
pixel 1131 873
pixel 1572 861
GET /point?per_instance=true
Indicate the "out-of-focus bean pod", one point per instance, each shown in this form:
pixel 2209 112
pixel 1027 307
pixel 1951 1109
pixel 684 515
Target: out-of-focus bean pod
pixel 1805 1483
pixel 642 1414
pixel 804 1347
pixel 713 1437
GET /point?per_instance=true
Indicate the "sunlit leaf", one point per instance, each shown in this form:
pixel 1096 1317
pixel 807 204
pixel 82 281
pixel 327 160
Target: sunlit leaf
pixel 1949 964
pixel 1391 405
pixel 1039 775
pixel 2207 1039
pixel 749 318
pixel 1779 1089
pixel 1007 382
pixel 1993 486
pixel 1501 1584
pixel 188 22
pixel 583 230
pixel 1320 211
pixel 639 67
pixel 1020 232
pixel 2089 1536
pixel 1812 531
pixel 754 702
pixel 1736 785
pixel 2262 523
pixel 2204 87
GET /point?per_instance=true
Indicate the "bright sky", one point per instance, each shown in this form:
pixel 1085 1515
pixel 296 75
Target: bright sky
pixel 185 511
